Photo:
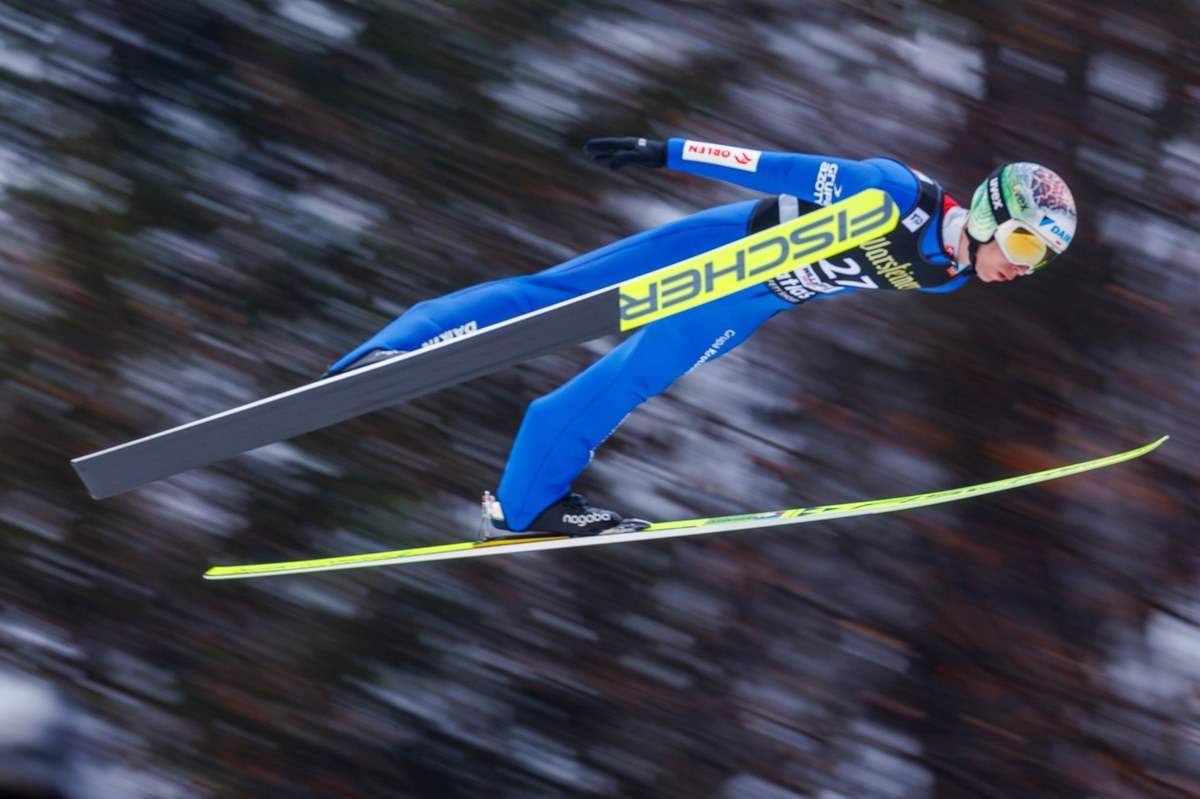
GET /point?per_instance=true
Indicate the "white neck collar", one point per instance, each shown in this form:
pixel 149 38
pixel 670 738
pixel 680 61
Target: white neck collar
pixel 953 223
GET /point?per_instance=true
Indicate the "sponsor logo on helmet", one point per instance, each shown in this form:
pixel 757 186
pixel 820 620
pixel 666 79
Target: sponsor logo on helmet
pixel 826 190
pixel 1055 228
pixel 1021 200
pixel 584 519
pixel 721 155
pixel 995 195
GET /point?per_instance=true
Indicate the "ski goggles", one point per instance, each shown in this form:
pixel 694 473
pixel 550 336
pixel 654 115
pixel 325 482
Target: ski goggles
pixel 1022 245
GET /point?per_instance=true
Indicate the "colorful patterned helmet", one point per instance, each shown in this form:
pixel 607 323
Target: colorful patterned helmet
pixel 1030 198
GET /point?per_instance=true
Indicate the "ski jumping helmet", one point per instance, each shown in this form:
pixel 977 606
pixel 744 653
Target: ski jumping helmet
pixel 1028 209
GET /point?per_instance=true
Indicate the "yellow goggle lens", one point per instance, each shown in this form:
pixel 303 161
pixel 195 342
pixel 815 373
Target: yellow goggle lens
pixel 1022 246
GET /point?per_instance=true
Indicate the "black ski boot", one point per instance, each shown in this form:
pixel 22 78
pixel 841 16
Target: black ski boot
pixel 572 515
pixel 366 359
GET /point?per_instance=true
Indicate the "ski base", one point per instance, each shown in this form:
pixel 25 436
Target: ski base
pixel 619 308
pixel 662 530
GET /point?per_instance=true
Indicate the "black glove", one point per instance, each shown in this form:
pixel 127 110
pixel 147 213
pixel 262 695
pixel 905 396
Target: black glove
pixel 616 153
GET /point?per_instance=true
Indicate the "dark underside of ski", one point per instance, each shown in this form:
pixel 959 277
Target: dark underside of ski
pixel 348 395
pixel 623 307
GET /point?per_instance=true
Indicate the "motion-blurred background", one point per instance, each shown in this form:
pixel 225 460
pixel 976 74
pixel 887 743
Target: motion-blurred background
pixel 204 203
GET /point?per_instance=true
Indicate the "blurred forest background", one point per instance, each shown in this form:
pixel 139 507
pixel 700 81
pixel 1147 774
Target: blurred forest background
pixel 204 203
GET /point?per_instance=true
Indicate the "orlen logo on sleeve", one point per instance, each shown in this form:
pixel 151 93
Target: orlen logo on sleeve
pixel 721 155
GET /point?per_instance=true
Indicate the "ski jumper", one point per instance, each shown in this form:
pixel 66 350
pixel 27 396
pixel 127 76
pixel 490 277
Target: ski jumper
pixel 562 429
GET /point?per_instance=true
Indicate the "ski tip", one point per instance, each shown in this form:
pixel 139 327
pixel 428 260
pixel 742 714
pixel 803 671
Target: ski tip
pixel 224 573
pixel 235 572
pixel 1153 445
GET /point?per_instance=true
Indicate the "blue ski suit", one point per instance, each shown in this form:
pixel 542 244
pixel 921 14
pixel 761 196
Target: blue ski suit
pixel 562 429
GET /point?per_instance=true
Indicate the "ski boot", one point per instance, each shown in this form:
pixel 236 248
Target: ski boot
pixel 572 515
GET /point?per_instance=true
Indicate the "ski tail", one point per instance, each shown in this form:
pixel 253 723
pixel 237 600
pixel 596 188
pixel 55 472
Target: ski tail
pixel 672 529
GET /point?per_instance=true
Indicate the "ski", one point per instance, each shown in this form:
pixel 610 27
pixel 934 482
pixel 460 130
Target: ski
pixel 474 549
pixel 626 306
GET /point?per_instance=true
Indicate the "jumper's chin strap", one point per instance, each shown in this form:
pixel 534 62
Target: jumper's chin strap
pixel 973 245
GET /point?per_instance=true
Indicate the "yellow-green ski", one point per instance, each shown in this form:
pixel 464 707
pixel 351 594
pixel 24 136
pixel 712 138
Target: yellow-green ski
pixel 668 529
